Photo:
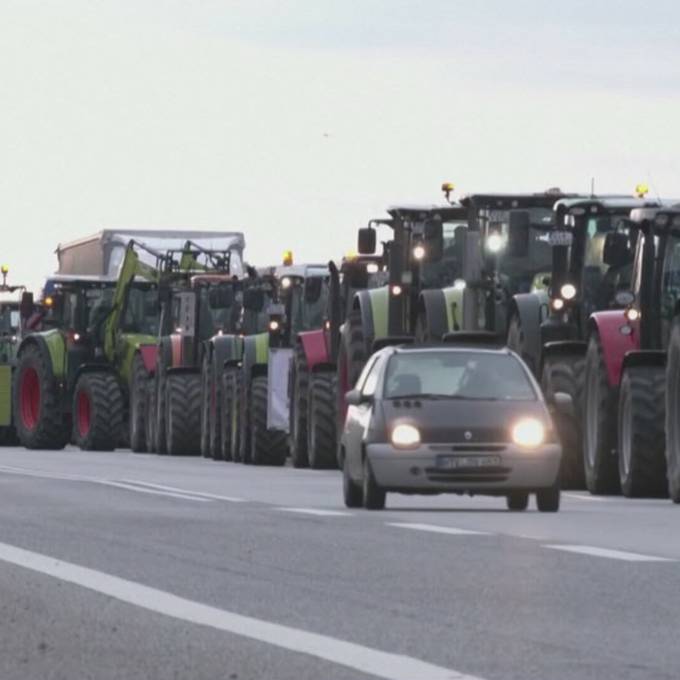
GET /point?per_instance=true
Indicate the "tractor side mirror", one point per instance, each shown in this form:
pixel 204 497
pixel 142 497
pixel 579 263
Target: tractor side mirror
pixel 26 305
pixel 221 297
pixel 433 235
pixel 616 252
pixel 518 233
pixel 253 300
pixel 367 241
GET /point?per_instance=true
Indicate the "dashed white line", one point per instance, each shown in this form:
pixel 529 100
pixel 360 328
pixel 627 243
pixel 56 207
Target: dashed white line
pixel 357 657
pixel 201 494
pixel 585 497
pixel 437 529
pixel 316 511
pixel 611 554
pixel 154 492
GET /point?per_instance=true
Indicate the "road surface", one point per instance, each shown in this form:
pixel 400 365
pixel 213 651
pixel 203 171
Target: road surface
pixel 120 565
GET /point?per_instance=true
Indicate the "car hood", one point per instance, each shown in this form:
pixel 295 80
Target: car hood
pixel 442 421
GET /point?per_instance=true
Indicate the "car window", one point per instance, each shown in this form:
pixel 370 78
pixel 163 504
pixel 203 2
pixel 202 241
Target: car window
pixel 456 374
pixel 371 382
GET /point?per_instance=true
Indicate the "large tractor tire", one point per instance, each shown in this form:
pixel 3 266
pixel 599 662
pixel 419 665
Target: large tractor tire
pixel 516 341
pixel 97 412
pixel 322 447
pixel 229 415
pixel 298 408
pixel 641 435
pixel 206 392
pixel 160 440
pixel 183 414
pixel 215 414
pixel 38 415
pixel 600 403
pixel 151 417
pixel 267 447
pixel 139 381
pixel 673 413
pixel 352 357
pixel 564 374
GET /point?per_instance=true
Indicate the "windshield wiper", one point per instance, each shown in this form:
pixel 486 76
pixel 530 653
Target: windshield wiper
pixel 425 395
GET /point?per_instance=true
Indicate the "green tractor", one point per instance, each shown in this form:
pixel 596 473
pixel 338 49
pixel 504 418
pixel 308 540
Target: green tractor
pixel 267 370
pixel 221 372
pixel 14 317
pixel 199 300
pixel 50 362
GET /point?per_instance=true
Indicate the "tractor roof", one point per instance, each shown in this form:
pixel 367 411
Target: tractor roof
pixel 422 212
pixel 303 271
pixel 609 204
pixel 500 201
pixel 82 278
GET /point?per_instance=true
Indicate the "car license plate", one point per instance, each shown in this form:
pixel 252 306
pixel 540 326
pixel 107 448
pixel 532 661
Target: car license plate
pixel 470 462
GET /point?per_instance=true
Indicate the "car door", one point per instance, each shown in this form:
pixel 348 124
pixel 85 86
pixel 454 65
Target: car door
pixel 358 417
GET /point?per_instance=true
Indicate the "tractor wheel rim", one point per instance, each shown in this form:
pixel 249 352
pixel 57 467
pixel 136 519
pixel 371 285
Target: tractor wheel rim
pixel 83 413
pixel 29 398
pixel 626 436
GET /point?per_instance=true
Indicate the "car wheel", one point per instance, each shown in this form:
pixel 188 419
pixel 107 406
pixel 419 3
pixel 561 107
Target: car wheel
pixel 351 491
pixel 517 500
pixel 548 500
pixel 373 496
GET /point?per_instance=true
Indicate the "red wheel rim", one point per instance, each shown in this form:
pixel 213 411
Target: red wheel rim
pixel 29 398
pixel 83 413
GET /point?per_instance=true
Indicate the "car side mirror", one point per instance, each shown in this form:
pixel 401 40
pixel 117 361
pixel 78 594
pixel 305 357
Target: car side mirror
pixel 616 252
pixel 366 241
pixel 518 233
pixel 356 398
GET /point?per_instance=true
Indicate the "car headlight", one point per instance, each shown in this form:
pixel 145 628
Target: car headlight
pixel 528 432
pixel 405 437
pixel 495 243
pixel 568 291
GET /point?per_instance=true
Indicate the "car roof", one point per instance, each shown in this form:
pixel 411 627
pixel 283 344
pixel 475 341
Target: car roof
pixel 463 349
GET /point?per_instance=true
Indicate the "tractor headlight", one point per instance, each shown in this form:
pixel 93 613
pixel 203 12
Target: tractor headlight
pixel 419 252
pixel 286 282
pixel 632 314
pixel 558 304
pixel 372 268
pixel 405 436
pixel 495 243
pixel 528 432
pixel 274 325
pixel 568 291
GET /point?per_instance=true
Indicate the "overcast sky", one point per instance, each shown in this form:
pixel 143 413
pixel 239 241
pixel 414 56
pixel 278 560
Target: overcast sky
pixel 296 121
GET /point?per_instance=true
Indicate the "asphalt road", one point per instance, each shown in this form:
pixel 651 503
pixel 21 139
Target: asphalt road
pixel 119 565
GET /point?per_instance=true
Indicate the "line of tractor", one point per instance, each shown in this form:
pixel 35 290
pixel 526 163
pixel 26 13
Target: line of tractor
pixel 169 342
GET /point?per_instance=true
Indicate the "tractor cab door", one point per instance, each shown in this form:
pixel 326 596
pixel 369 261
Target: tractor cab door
pixel 670 286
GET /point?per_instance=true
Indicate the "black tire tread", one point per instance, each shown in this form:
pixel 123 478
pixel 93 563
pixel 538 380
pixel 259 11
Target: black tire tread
pixel 183 413
pixel 137 408
pixel 322 422
pixel 106 403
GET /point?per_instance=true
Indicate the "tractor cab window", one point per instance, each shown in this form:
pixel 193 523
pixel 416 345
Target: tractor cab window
pixel 142 310
pixel 517 273
pixel 308 302
pixel 219 309
pixel 444 272
pixel 97 307
pixel 670 285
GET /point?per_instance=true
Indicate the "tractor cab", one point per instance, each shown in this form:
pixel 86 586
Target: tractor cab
pixel 592 244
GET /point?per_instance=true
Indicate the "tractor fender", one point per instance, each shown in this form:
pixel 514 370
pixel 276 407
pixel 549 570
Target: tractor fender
pixel 314 347
pixel 615 344
pixel 255 353
pixel 561 348
pixel 373 305
pixel 528 306
pixel 432 306
pixel 149 353
pixel 644 357
pixel 52 345
pixel 225 348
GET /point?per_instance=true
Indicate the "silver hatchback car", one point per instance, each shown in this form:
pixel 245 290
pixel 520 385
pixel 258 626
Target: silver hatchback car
pixel 449 419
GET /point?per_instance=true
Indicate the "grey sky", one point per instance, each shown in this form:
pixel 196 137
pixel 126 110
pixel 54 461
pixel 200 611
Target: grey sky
pixel 215 114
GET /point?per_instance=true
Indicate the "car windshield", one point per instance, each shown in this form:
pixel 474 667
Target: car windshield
pixel 457 375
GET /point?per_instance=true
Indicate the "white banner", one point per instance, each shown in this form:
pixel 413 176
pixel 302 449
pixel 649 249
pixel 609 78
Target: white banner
pixel 277 396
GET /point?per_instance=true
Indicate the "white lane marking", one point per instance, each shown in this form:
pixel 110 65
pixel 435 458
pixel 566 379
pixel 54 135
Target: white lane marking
pixel 316 511
pixel 585 497
pixel 201 494
pixel 436 529
pixel 611 554
pixel 358 657
pixel 26 472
